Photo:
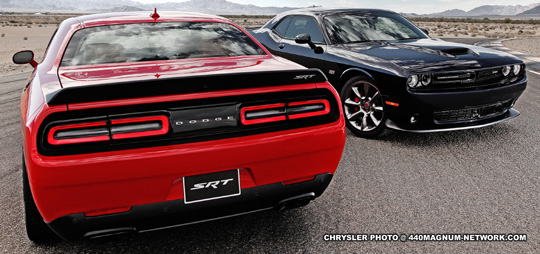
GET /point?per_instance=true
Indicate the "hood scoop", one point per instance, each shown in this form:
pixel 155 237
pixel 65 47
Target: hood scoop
pixel 458 51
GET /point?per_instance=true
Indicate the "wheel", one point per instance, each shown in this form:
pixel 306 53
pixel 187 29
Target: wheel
pixel 36 228
pixel 363 106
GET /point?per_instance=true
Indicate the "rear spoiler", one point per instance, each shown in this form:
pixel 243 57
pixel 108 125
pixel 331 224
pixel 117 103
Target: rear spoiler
pixel 183 85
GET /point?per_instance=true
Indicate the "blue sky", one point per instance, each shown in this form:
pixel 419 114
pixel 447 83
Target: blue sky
pixel 416 6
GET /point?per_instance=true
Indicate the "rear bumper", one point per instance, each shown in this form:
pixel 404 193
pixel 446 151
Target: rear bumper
pixel 176 213
pixel 74 184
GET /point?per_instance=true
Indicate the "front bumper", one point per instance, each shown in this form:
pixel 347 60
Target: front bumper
pixel 425 106
pixel 512 113
pixel 174 213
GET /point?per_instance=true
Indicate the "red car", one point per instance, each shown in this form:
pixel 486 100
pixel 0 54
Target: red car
pixel 139 121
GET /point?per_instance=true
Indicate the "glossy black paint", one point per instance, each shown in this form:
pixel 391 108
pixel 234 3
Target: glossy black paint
pixel 390 63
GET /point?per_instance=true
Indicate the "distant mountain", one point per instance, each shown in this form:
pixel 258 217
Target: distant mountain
pixel 450 13
pixel 64 5
pixel 533 11
pixel 487 10
pixel 502 10
pixel 206 6
pixel 124 9
pixel 218 7
pixel 116 9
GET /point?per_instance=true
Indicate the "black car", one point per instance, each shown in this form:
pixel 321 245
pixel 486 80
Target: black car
pixel 391 73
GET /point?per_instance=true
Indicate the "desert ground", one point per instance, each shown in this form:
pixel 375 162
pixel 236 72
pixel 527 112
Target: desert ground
pixel 33 32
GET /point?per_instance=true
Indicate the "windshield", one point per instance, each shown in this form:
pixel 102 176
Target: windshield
pixel 156 41
pixel 364 26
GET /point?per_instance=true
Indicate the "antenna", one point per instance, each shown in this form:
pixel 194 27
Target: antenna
pixel 155 15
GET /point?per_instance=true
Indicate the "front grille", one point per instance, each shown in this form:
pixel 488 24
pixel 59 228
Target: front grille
pixel 470 114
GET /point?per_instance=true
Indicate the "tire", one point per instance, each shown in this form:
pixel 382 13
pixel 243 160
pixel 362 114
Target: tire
pixel 363 107
pixel 36 228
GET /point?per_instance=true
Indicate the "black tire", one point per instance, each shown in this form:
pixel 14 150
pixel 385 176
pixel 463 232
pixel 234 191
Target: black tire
pixel 363 107
pixel 36 228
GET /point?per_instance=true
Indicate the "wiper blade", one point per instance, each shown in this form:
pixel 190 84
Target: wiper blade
pixel 414 38
pixel 357 41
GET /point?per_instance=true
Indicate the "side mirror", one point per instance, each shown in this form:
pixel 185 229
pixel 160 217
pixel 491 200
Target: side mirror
pixel 25 57
pixel 425 31
pixel 303 39
pixel 306 39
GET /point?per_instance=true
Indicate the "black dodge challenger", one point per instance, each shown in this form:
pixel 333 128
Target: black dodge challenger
pixel 392 74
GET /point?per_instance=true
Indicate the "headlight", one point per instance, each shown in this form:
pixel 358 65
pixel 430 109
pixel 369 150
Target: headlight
pixel 412 81
pixel 506 70
pixel 516 69
pixel 425 79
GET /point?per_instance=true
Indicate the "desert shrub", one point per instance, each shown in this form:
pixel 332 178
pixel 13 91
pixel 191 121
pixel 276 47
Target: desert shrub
pixel 25 38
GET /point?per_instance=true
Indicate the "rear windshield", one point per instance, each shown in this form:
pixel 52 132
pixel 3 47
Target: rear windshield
pixel 156 41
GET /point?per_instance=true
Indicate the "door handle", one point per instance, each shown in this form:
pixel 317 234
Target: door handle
pixel 281 46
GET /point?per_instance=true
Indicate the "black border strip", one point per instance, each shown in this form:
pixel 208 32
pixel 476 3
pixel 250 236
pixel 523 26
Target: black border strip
pixel 167 86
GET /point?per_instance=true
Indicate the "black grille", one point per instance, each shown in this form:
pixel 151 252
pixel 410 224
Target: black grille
pixel 472 113
pixel 464 80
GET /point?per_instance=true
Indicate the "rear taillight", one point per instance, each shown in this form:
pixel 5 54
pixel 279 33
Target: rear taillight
pixel 78 133
pixel 283 111
pixel 308 108
pixel 125 128
pixel 263 113
pixel 139 127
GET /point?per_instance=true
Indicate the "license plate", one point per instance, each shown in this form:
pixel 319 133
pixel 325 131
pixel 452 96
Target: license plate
pixel 211 186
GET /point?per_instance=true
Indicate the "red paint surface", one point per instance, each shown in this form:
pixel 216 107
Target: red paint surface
pixel 107 181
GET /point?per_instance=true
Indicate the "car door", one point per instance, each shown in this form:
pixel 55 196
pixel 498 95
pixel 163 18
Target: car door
pixel 288 29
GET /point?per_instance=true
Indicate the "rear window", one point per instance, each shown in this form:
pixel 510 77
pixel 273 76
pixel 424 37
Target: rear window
pixel 157 41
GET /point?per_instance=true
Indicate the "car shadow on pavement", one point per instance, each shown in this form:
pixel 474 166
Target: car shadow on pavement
pixel 493 133
pixel 242 233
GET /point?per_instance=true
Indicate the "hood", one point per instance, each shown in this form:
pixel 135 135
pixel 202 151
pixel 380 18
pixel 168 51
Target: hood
pixel 75 76
pixel 432 55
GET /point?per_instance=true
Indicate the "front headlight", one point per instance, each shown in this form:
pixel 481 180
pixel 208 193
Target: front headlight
pixel 425 79
pixel 506 70
pixel 516 69
pixel 412 81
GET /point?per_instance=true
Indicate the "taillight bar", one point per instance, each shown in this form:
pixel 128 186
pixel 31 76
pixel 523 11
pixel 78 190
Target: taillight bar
pixel 78 133
pixel 283 111
pixel 263 114
pixel 308 108
pixel 139 127
pixel 115 129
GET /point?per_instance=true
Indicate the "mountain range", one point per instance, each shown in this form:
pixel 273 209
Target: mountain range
pixel 206 6
pixel 226 7
pixel 488 10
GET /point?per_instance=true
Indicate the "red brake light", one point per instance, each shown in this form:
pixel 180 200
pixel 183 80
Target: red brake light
pixel 283 111
pixel 310 108
pixel 108 211
pixel 78 133
pixel 139 127
pixel 106 130
pixel 263 114
pixel 299 180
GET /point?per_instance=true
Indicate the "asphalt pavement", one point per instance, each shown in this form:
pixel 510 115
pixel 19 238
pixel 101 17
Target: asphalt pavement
pixel 464 182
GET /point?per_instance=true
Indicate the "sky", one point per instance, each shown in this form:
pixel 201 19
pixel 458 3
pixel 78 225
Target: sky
pixel 407 6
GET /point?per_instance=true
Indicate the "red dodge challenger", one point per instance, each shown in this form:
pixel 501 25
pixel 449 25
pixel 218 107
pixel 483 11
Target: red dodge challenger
pixel 139 121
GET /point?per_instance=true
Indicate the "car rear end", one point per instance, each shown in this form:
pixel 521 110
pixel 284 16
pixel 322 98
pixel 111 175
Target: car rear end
pixel 141 146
